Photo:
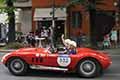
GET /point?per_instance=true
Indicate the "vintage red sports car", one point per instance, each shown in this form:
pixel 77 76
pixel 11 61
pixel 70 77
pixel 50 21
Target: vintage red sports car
pixel 86 62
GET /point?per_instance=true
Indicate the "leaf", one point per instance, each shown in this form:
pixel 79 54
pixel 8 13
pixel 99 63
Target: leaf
pixel 2 1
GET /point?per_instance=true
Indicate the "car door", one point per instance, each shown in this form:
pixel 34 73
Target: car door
pixel 38 59
pixel 59 60
pixel 51 59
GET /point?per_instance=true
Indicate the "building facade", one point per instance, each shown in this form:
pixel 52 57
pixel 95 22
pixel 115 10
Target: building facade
pixel 75 20
pixel 23 16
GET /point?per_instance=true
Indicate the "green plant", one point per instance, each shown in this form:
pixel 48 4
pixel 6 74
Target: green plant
pixel 14 45
pixel 18 33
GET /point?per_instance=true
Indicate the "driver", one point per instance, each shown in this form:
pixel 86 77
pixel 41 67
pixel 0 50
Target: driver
pixel 72 49
pixel 70 45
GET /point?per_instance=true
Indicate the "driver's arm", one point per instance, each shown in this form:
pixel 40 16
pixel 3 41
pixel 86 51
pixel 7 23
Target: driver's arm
pixel 62 37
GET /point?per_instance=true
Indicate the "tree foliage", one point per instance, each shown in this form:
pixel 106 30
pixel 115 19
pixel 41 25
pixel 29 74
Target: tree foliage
pixel 6 6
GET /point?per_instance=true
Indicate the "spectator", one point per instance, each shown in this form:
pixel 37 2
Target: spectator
pixel 45 34
pixel 106 41
pixel 114 38
pixel 31 39
pixel 19 38
pixel 82 39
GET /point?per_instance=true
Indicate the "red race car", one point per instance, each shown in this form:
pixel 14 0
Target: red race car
pixel 86 62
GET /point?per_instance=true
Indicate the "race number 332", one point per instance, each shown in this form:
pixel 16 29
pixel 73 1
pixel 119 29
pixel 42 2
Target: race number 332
pixel 63 61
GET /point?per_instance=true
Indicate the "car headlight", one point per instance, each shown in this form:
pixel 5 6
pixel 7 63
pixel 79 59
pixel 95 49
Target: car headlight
pixel 5 57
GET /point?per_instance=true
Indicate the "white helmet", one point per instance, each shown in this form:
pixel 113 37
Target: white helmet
pixel 73 43
pixel 68 41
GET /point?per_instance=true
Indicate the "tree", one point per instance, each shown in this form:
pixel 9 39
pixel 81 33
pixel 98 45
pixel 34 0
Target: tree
pixel 6 6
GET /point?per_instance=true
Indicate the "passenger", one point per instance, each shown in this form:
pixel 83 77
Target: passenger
pixel 72 49
pixel 70 45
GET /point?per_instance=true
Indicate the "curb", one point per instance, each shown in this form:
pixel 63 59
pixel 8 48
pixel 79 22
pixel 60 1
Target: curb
pixel 6 51
pixel 112 51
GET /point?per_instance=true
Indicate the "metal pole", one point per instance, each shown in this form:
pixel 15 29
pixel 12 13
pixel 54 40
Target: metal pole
pixel 53 22
pixel 53 14
pixel 116 4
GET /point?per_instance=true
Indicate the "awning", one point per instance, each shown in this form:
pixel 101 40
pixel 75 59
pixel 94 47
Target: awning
pixel 45 14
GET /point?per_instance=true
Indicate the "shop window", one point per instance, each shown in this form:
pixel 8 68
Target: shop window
pixel 76 19
pixel 101 23
pixel 46 24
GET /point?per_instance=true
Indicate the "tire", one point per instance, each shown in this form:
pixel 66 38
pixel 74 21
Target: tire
pixel 89 68
pixel 17 66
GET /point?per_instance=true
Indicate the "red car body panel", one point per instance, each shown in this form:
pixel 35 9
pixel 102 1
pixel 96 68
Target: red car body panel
pixel 41 56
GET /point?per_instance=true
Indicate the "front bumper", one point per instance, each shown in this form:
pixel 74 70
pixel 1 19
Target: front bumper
pixel 106 61
pixel 4 58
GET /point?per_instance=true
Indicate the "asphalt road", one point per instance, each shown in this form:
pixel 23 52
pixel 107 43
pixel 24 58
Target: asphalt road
pixel 113 73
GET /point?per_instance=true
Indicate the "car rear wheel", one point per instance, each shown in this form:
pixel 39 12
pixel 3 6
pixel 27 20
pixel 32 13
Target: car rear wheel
pixel 17 66
pixel 88 68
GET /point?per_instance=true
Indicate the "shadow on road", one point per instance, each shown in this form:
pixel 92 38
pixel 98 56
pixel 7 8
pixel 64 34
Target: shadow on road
pixel 55 74
pixel 44 73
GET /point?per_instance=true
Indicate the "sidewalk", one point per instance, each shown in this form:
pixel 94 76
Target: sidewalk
pixel 6 51
pixel 112 51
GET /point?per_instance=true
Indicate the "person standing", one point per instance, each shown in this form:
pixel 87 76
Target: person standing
pixel 31 39
pixel 106 41
pixel 45 35
pixel 114 38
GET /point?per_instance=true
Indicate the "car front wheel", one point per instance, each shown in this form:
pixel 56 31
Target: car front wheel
pixel 88 68
pixel 17 66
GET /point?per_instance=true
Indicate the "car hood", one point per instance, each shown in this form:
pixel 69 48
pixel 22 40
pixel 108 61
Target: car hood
pixel 33 50
pixel 26 50
pixel 86 50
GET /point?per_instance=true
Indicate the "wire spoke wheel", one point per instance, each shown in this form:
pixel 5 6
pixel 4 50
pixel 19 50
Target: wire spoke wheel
pixel 17 66
pixel 88 68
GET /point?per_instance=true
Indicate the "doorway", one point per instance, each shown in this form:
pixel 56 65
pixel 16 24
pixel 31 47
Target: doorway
pixel 101 23
pixel 59 30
